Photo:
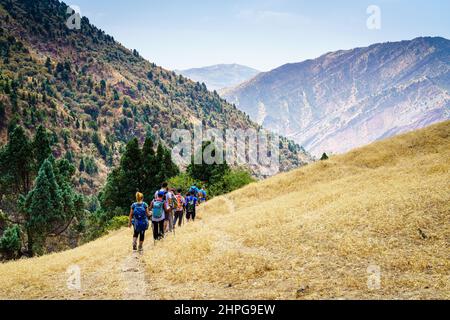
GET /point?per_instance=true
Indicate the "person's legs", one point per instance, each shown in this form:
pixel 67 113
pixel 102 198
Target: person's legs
pixel 193 215
pixel 171 221
pixel 180 221
pixel 178 218
pixel 155 230
pixel 161 228
pixel 175 219
pixel 166 223
pixel 135 238
pixel 141 239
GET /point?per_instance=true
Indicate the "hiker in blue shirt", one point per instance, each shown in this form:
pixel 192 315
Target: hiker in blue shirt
pixel 202 195
pixel 158 208
pixel 139 215
pixel 191 202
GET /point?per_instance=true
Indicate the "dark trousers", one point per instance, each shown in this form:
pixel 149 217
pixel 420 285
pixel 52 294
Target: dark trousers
pixel 158 229
pixel 179 218
pixel 140 234
pixel 190 215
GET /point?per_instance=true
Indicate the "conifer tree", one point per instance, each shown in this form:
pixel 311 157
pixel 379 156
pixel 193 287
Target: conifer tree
pixel 132 175
pixel 43 206
pixel 41 146
pixel 210 173
pixel 324 157
pixel 20 162
pixel 149 169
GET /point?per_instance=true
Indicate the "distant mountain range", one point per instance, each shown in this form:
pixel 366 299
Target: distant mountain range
pixel 349 98
pixel 221 76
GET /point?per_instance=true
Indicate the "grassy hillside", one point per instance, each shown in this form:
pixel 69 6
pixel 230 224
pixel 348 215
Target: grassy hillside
pixel 308 234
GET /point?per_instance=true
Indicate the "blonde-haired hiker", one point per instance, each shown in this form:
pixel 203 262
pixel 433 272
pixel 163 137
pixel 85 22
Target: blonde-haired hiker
pixel 139 215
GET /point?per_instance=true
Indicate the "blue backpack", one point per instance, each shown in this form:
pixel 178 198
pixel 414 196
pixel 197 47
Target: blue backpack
pixel 158 209
pixel 190 204
pixel 193 189
pixel 140 216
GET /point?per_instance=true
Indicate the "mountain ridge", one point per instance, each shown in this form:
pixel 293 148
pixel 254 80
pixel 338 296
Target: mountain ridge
pixel 312 101
pixel 220 77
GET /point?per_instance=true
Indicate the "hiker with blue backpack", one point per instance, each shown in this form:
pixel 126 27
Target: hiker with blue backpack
pixel 158 209
pixel 139 215
pixel 202 195
pixel 191 202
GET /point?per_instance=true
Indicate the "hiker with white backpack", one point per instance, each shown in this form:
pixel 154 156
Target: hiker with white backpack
pixel 139 215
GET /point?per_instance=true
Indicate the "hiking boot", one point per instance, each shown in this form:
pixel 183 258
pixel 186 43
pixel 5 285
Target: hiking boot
pixel 134 247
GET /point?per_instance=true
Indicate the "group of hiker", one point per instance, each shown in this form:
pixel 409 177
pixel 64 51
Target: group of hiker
pixel 167 210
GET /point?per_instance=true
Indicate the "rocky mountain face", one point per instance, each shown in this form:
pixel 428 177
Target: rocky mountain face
pixel 220 77
pixel 94 95
pixel 350 98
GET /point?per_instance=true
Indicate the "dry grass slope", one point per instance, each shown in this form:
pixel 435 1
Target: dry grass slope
pixel 308 234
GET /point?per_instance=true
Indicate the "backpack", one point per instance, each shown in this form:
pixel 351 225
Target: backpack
pixel 140 216
pixel 173 202
pixel 190 205
pixel 158 209
pixel 178 203
pixel 193 189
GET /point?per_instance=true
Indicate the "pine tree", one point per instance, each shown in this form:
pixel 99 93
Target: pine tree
pixel 41 146
pixel 324 157
pixel 48 65
pixel 171 169
pixel 132 175
pixel 149 168
pixel 43 206
pixel 210 173
pixel 159 161
pixel 103 87
pixel 10 242
pixel 20 162
pixel 82 166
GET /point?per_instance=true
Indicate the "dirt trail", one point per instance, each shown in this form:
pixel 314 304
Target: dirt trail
pixel 133 275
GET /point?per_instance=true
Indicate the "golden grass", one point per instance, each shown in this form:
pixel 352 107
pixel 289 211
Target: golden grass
pixel 308 234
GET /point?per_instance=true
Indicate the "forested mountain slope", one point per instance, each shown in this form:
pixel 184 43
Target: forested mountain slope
pixel 94 94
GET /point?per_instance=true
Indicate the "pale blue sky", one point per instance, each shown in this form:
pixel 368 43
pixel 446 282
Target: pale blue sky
pixel 264 34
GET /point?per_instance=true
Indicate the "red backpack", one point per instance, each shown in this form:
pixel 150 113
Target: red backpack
pixel 178 203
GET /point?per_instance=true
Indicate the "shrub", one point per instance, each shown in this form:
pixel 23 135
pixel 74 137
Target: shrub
pixel 10 242
pixel 117 223
pixel 183 181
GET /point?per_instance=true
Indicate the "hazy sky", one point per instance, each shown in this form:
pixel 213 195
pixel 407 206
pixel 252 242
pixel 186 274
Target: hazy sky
pixel 264 34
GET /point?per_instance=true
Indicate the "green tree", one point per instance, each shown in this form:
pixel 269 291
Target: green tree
pixel 43 206
pixel 103 87
pixel 150 168
pixel 132 175
pixel 209 173
pixel 111 197
pixel 10 242
pixel 18 161
pixel 41 146
pixel 48 65
pixel 324 157
pixel 82 166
